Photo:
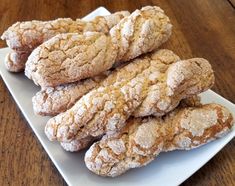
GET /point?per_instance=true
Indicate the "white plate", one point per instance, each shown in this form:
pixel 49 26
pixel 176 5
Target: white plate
pixel 170 168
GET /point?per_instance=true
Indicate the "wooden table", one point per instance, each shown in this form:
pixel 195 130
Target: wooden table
pixel 204 28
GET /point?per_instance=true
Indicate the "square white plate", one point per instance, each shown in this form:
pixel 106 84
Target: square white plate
pixel 170 168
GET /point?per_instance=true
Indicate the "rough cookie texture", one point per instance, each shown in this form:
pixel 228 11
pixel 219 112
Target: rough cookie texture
pixel 15 60
pixel 143 31
pixel 142 139
pixel 193 101
pixel 54 100
pixel 77 145
pixel 183 78
pixel 71 57
pixel 89 55
pixel 25 36
pixel 107 107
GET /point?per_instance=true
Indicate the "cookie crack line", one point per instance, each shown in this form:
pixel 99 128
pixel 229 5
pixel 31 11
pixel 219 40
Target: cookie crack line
pixel 132 94
pixel 183 129
pixel 26 36
pixel 52 101
pixel 141 32
pixel 143 106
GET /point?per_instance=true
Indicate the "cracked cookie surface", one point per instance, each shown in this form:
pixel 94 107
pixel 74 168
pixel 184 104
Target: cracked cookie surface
pixel 77 145
pixel 141 140
pixel 71 57
pixel 107 107
pixel 15 60
pixel 54 100
pixel 141 32
pixel 23 37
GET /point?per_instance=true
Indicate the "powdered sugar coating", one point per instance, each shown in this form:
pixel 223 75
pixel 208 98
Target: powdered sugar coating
pixel 186 77
pixel 118 146
pixel 201 121
pixel 15 61
pixel 54 100
pixel 71 57
pixel 165 134
pixel 146 135
pixel 143 31
pixel 76 145
pixel 127 89
pixel 23 37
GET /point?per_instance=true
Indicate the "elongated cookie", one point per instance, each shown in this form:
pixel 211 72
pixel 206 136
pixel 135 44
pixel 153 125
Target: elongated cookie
pixel 54 100
pixel 107 107
pixel 71 57
pixel 51 101
pixel 141 140
pixel 23 37
pixel 141 32
pixel 77 145
pixel 90 55
pixel 15 60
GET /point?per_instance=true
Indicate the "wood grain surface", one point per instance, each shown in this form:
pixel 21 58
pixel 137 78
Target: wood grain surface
pixel 202 28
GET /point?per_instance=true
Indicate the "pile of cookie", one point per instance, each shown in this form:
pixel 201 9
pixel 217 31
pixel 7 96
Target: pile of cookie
pixel 111 90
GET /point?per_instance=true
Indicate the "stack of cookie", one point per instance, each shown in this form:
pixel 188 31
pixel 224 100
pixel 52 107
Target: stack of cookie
pixel 107 85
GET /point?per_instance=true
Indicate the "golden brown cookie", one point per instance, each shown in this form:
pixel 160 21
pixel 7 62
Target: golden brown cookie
pixel 131 90
pixel 71 57
pixel 77 145
pixel 141 140
pixel 23 37
pixel 51 101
